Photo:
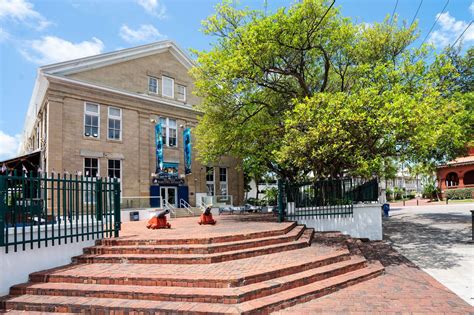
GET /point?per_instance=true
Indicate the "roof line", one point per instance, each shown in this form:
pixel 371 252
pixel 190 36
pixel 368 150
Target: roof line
pixel 79 64
pixel 113 90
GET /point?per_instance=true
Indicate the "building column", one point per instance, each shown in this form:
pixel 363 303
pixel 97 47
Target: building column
pixel 54 138
pixel 146 145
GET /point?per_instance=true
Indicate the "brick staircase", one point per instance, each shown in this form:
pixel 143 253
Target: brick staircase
pixel 245 273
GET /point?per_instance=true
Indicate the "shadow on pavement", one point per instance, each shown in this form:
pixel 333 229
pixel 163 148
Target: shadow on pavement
pixel 424 243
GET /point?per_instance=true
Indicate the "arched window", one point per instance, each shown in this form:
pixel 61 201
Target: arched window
pixel 452 179
pixel 469 178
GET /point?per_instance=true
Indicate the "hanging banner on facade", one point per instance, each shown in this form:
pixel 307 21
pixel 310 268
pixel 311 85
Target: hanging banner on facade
pixel 159 148
pixel 187 150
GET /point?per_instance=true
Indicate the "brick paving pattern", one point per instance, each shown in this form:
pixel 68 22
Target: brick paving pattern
pixel 245 264
pixel 404 288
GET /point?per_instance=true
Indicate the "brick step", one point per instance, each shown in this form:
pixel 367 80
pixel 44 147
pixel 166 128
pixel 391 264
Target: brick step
pixel 208 295
pixel 75 304
pixel 303 241
pixel 221 275
pixel 293 235
pixel 310 291
pixel 207 240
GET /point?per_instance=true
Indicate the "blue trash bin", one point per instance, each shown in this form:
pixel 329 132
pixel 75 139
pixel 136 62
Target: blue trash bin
pixel 386 209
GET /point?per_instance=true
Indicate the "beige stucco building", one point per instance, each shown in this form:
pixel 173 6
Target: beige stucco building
pixel 97 116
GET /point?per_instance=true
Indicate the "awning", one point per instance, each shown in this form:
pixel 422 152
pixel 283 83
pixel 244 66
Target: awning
pixel 31 161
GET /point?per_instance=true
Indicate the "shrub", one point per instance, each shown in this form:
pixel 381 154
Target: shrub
pixel 271 196
pixel 458 194
pixel 430 191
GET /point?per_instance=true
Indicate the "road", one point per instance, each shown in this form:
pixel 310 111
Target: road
pixel 436 239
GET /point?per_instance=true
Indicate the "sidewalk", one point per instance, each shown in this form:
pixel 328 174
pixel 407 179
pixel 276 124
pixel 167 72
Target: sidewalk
pixel 427 202
pixel 435 238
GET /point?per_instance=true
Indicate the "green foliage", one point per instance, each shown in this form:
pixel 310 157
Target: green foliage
pixel 430 191
pixel 271 195
pixel 459 194
pixel 305 90
pixel 255 202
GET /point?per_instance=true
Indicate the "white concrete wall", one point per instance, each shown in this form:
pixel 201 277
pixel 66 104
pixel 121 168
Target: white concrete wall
pixel 16 266
pixel 365 223
pixel 143 214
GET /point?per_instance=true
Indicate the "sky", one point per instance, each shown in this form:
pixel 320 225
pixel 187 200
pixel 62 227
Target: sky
pixel 35 33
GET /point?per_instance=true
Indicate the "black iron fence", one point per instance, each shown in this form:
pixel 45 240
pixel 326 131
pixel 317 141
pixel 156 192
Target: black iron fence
pixel 323 198
pixel 51 210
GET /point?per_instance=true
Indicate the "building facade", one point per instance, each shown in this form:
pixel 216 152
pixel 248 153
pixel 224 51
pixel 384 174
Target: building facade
pixel 130 115
pixel 458 173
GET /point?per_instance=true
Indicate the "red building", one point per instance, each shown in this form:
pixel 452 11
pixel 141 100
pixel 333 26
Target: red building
pixel 458 173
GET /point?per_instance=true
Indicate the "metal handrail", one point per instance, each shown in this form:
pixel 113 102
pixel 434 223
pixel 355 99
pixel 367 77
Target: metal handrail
pixel 170 207
pixel 184 204
pixel 201 204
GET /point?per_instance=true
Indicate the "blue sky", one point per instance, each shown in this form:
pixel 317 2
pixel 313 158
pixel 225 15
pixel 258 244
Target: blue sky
pixel 33 33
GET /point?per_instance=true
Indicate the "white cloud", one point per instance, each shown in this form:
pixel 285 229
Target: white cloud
pixel 22 11
pixel 145 33
pixel 450 29
pixel 153 7
pixel 4 35
pixel 471 8
pixel 9 145
pixel 51 49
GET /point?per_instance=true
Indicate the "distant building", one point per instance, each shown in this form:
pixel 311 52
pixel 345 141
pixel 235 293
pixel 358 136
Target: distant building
pixel 458 173
pixel 261 187
pixel 407 181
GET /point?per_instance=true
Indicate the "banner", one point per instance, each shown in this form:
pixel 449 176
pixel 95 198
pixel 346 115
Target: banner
pixel 159 148
pixel 187 150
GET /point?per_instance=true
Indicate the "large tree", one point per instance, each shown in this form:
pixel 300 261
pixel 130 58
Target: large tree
pixel 306 90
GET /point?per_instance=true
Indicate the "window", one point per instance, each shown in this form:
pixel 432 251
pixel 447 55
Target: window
pixel 114 169
pixel 169 132
pixel 91 170
pixel 153 85
pixel 181 92
pixel 452 179
pixel 223 180
pixel 115 123
pixel 91 167
pixel 170 170
pixel 91 120
pixel 168 87
pixel 210 181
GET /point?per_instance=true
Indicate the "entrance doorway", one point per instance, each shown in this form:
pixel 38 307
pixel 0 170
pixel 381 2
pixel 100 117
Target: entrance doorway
pixel 169 194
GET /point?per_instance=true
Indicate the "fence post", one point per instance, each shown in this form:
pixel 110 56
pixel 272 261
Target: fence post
pixel 98 201
pixel 280 200
pixel 117 223
pixel 3 208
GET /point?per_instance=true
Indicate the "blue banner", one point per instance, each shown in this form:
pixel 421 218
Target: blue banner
pixel 159 148
pixel 187 150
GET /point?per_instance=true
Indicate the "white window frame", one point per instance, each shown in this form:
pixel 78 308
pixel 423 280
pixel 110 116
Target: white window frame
pixel 84 166
pixel 157 85
pixel 224 182
pixel 163 79
pixel 114 117
pixel 166 128
pixel 184 93
pixel 88 196
pixel 121 172
pixel 92 114
pixel 213 182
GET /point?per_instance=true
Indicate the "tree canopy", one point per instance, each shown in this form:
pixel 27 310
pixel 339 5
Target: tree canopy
pixel 306 90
